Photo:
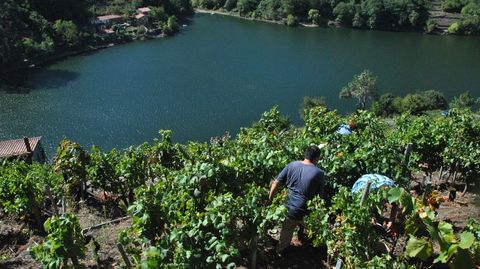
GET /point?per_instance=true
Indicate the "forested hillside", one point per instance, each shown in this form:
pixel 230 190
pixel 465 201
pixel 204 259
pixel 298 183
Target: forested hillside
pixel 33 29
pixel 369 14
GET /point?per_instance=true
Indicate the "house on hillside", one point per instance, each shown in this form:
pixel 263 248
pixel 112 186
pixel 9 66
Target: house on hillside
pixel 141 19
pixel 109 19
pixel 143 10
pixel 28 149
pixel 108 31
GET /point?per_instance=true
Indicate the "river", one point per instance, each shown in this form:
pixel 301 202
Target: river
pixel 219 74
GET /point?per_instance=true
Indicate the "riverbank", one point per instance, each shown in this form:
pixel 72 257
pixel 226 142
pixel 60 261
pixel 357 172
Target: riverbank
pixel 233 14
pixel 236 15
pixel 329 24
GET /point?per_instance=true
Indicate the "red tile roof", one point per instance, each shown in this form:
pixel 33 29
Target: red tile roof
pixel 144 9
pixel 17 147
pixel 139 16
pixel 109 17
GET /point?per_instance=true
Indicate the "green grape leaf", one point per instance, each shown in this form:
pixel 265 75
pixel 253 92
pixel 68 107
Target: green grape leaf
pixel 418 248
pixel 466 240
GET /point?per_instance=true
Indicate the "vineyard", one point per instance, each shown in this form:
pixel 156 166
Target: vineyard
pixel 203 204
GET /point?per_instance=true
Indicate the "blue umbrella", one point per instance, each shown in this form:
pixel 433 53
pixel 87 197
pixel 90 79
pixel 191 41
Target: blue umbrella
pixel 376 179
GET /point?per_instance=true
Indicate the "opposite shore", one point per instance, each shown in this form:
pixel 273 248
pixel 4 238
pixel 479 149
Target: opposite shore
pixel 90 48
pixel 331 24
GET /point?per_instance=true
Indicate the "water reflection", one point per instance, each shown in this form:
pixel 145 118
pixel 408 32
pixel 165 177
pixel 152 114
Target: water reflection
pixel 21 82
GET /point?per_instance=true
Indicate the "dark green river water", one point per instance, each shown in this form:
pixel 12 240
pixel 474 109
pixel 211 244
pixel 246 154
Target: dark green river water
pixel 220 74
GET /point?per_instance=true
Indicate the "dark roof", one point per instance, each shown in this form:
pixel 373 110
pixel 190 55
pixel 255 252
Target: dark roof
pixel 16 147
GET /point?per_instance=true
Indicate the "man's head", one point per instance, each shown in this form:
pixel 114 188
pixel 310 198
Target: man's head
pixel 352 124
pixel 312 153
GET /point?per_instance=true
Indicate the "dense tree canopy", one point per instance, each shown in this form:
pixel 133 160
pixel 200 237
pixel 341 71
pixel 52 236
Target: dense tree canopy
pixel 373 14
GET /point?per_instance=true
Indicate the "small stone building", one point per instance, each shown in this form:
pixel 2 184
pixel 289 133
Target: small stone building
pixel 141 19
pixel 109 19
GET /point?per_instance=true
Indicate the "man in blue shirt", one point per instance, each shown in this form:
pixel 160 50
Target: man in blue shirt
pixel 304 180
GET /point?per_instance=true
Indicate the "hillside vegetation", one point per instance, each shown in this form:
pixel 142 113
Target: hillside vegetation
pixel 33 31
pixel 202 204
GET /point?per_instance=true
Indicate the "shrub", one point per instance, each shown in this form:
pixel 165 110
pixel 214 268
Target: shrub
pixel 454 28
pixel 309 103
pixel 453 5
pixel 385 106
pixel 464 100
pixel 64 241
pixel 431 26
pixel 291 20
pixel 414 103
pixel 434 100
pixel 314 16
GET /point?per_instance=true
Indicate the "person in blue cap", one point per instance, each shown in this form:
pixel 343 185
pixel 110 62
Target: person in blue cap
pixel 346 129
pixel 304 180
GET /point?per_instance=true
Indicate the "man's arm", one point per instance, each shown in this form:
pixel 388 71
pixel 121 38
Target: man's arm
pixel 281 179
pixel 273 190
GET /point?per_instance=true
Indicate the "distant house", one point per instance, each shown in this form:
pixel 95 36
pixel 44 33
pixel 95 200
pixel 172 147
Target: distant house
pixel 141 19
pixel 108 31
pixel 109 19
pixel 25 148
pixel 144 10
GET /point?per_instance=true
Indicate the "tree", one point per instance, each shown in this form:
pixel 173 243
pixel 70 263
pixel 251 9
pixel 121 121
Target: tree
pixel 171 26
pixel 434 100
pixel 314 16
pixel 158 14
pixel 431 26
pixel 464 100
pixel 385 105
pixel 246 6
pixel 311 102
pixel 291 20
pixel 362 87
pixel 344 13
pixel 230 4
pixel 66 32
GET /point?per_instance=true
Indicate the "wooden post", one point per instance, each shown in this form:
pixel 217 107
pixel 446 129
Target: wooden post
pixel 34 208
pixel 74 261
pixel 428 190
pixel 366 191
pixel 254 252
pixel 455 173
pixel 393 213
pixel 124 256
pixel 64 208
pixel 440 176
pixel 406 158
pixel 49 195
